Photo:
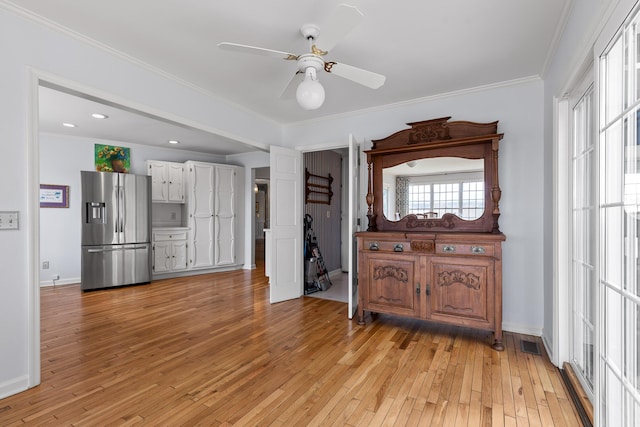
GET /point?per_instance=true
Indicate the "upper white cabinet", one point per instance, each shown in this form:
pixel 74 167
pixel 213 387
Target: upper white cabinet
pixel 167 181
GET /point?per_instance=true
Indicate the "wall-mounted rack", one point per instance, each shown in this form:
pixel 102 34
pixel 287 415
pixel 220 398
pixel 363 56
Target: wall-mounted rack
pixel 317 188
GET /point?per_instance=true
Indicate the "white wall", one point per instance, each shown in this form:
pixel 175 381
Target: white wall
pixel 519 108
pixel 62 159
pixel 251 162
pixel 30 50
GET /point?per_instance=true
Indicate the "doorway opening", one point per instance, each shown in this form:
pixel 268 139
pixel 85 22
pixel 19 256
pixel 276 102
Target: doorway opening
pixel 261 213
pixel 326 204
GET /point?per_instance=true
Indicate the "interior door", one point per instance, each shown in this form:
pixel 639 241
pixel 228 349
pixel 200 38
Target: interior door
pixel 286 224
pixel 354 222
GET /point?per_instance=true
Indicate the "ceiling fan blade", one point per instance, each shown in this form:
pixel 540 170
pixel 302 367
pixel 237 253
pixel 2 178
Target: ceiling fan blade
pixel 358 75
pixel 343 19
pixel 235 47
pixel 289 92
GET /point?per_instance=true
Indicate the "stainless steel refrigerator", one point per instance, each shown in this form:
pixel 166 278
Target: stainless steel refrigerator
pixel 116 229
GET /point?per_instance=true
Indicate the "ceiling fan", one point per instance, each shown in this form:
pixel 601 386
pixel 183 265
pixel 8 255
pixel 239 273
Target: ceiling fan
pixel 310 93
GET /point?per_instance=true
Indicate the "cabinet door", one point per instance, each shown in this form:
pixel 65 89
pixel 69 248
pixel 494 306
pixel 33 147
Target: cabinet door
pixel 159 179
pixel 161 257
pixel 391 284
pixel 461 291
pixel 175 182
pixel 225 189
pixel 179 255
pixel 201 215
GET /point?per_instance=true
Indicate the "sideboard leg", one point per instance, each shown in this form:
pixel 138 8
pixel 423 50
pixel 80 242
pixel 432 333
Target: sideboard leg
pixel 497 345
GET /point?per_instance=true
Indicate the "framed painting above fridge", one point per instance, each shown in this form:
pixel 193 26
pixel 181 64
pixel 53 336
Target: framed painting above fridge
pixel 111 158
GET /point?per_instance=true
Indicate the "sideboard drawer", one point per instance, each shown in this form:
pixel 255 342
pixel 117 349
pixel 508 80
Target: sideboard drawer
pixel 386 245
pixel 479 249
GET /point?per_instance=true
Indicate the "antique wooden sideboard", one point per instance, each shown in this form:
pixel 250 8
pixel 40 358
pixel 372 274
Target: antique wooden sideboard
pixel 435 265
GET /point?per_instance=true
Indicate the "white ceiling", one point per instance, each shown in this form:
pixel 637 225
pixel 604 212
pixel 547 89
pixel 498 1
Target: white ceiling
pixel 424 48
pixel 58 106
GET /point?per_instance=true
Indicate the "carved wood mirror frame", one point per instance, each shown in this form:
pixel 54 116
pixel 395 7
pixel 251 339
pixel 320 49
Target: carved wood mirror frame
pixel 431 139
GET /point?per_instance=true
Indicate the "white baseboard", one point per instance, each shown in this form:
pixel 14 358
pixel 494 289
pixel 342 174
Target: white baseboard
pixel 521 329
pixel 196 272
pixel 548 348
pixel 14 386
pixel 70 281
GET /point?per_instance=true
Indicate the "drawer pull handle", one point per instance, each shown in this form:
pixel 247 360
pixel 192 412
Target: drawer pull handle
pixel 448 248
pixel 477 249
pixel 428 290
pixel 374 246
pixel 398 247
pixel 418 288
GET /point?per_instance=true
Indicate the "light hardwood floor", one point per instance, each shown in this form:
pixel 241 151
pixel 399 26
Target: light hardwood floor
pixel 211 350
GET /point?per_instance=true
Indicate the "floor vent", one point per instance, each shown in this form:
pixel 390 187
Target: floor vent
pixel 530 347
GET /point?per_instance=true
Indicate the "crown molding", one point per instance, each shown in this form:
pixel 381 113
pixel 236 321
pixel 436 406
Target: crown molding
pixel 415 101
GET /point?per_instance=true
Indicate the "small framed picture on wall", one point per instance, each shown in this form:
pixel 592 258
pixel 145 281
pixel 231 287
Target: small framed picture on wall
pixel 54 196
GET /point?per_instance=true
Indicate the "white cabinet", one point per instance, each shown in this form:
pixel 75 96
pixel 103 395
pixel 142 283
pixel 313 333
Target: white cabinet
pixel 169 250
pixel 167 181
pixel 201 214
pixel 225 215
pixel 212 199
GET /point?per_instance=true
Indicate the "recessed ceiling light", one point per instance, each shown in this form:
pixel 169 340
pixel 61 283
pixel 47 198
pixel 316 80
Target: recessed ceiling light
pixel 173 141
pixel 69 125
pixel 99 116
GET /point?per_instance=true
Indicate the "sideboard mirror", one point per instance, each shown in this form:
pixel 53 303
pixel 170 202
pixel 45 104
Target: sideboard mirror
pixel 435 176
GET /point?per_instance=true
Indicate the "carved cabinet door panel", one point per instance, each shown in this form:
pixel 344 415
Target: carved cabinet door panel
pixel 392 285
pixel 461 290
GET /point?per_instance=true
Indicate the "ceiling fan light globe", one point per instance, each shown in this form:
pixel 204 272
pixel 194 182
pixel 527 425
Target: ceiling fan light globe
pixel 310 93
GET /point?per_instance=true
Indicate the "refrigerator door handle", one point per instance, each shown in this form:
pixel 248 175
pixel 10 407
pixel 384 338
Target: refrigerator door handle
pixel 136 247
pixel 97 251
pixel 121 209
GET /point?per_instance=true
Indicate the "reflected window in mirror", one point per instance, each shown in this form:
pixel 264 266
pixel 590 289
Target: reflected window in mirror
pixel 429 188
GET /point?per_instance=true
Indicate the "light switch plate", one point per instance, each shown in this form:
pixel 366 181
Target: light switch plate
pixel 9 220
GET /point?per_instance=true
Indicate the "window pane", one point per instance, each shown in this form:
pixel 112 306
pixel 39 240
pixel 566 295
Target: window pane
pixel 611 149
pixel 472 199
pixel 613 70
pixel 613 328
pixel 446 198
pixel 632 362
pixel 419 198
pixel 612 401
pixel 612 243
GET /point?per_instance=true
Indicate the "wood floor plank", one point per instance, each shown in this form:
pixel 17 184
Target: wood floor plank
pixel 211 350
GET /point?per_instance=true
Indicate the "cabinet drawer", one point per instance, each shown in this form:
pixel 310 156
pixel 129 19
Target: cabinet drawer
pixel 479 249
pixel 165 237
pixel 374 245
